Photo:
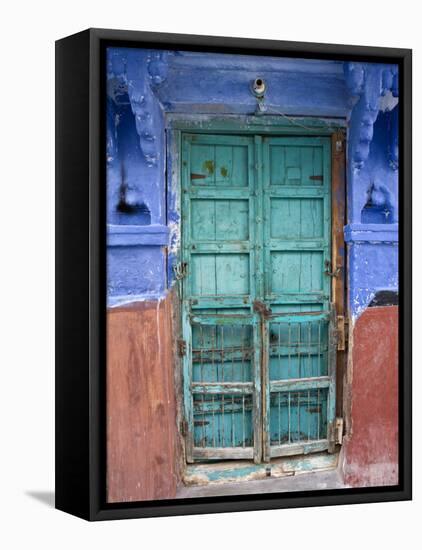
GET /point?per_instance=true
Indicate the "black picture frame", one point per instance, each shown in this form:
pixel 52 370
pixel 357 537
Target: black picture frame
pixel 81 274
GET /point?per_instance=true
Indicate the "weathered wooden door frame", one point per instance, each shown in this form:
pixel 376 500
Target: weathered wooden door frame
pixel 335 129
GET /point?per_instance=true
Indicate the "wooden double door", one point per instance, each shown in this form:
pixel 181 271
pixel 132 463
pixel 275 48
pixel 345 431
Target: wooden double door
pixel 259 336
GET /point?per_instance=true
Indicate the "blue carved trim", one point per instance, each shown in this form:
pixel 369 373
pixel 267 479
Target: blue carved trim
pixel 134 235
pixel 373 87
pixel 371 232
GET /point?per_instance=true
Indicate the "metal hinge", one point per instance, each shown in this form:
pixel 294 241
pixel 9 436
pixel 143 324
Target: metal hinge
pixel 342 326
pixel 335 434
pixel 180 270
pixel 184 428
pixel 339 431
pixel 340 139
pixel 181 348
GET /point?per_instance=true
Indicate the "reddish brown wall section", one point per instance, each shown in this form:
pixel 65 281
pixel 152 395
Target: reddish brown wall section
pixel 141 410
pixel 371 450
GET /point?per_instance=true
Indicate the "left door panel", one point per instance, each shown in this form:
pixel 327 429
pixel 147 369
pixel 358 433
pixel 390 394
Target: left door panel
pixel 221 366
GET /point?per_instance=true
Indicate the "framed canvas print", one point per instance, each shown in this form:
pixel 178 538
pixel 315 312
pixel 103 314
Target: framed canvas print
pixel 233 274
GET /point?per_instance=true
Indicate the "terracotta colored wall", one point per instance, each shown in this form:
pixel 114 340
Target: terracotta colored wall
pixel 141 410
pixel 371 450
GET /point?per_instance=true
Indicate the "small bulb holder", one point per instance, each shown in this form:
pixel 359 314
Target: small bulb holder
pixel 259 87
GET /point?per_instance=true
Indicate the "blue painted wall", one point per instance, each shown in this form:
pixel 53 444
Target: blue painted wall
pixel 372 232
pixel 136 192
pixel 145 85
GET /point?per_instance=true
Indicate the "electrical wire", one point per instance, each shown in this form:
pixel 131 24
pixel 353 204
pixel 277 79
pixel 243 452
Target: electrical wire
pixel 259 112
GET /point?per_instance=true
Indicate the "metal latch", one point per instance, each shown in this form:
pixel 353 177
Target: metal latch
pixel 329 270
pixel 262 308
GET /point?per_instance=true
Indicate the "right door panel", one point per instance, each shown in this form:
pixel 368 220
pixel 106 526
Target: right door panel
pixel 298 338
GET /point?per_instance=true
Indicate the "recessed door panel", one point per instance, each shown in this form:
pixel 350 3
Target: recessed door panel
pixel 295 163
pixel 220 220
pixel 220 275
pixel 297 218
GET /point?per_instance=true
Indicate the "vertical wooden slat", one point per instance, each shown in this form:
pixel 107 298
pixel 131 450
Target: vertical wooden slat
pixel 338 247
pixel 279 418
pixel 259 377
pixel 309 350
pixel 266 443
pixel 264 179
pixel 186 283
pixel 232 376
pixel 309 414
pixel 299 357
pixel 298 416
pixel 214 345
pixel 332 368
pixel 202 344
pixel 243 421
pixel 289 418
pixel 289 348
pixel 319 415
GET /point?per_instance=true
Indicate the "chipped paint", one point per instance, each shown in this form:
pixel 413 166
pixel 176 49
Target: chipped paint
pixel 371 443
pixel 140 460
pixel 174 227
pixel 240 471
pixel 133 300
pixel 209 167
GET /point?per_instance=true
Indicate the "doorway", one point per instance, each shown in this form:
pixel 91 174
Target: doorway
pixel 259 328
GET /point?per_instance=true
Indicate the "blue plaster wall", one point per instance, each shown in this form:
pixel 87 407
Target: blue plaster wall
pixel 136 192
pixel 143 220
pixel 372 232
pixel 372 182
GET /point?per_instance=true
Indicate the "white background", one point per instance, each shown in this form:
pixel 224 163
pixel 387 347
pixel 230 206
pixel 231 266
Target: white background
pixel 28 32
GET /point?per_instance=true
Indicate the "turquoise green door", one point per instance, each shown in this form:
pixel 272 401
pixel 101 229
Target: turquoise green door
pixel 259 363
